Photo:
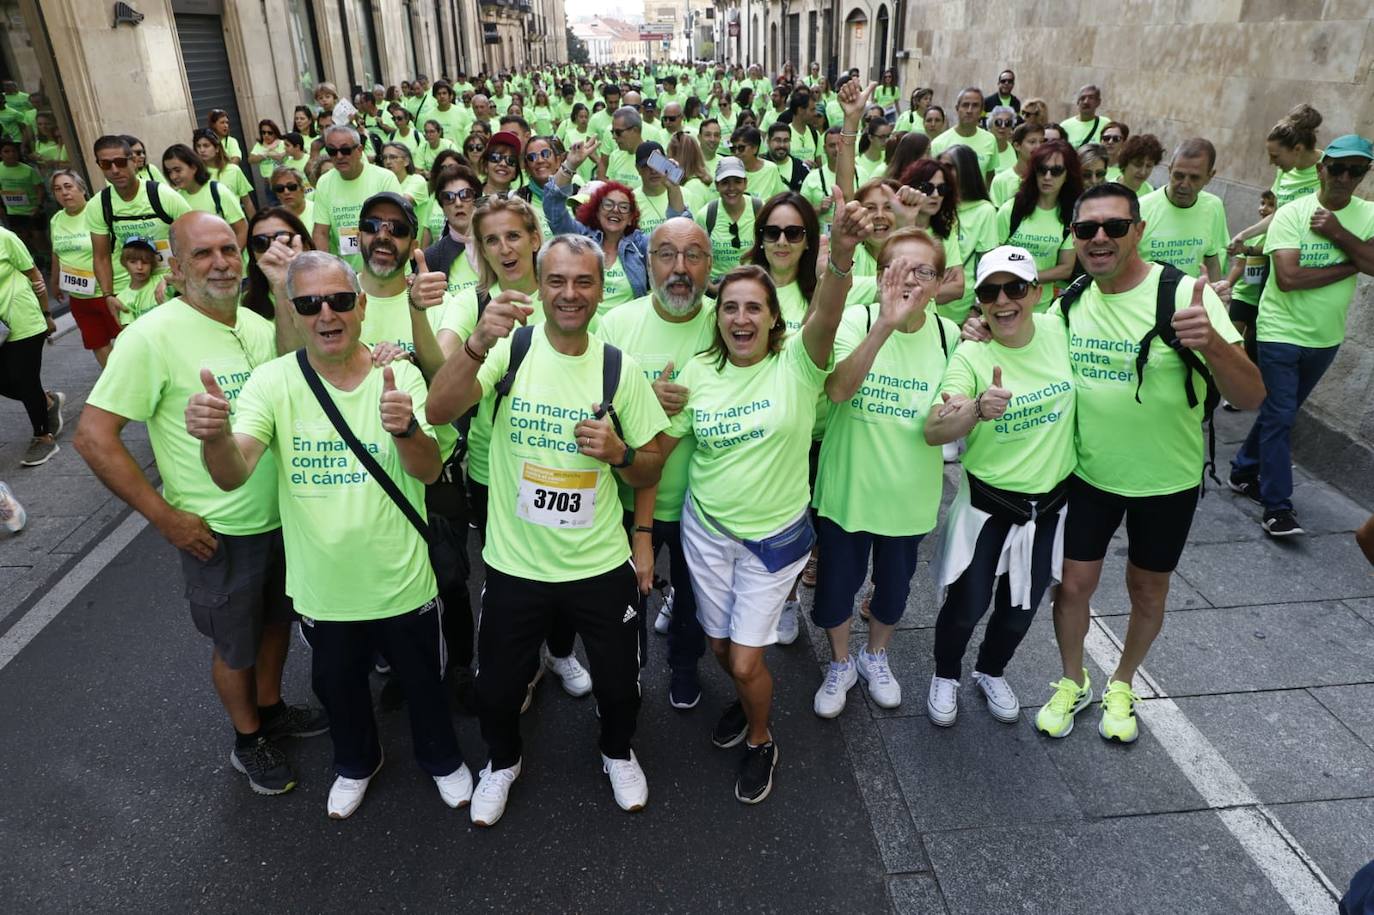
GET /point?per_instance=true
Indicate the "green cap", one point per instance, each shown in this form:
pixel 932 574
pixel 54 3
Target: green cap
pixel 1348 146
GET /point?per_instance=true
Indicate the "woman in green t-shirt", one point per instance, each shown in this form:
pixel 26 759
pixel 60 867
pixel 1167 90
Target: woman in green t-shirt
pixel 1137 160
pixel 396 159
pixel 23 309
pixel 913 120
pixel 218 123
pixel 145 170
pixel 73 270
pixel 1012 398
pixel 887 94
pixel 937 212
pixel 269 151
pixel 22 194
pixel 208 148
pixel 434 143
pixel 187 173
pixel 1038 217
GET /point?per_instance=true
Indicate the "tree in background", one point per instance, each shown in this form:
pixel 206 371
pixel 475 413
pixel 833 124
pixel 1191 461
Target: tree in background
pixel 577 50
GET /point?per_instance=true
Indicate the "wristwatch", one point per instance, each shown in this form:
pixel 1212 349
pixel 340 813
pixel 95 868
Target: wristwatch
pixel 628 459
pixel 410 430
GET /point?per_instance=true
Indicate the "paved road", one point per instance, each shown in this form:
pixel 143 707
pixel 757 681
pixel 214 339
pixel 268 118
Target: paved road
pixel 1251 789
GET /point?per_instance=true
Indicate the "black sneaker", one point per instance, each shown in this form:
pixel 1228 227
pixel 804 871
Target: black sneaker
pixel 684 689
pixel 755 778
pixel 265 766
pixel 1281 523
pixel 297 721
pixel 1248 488
pixel 731 727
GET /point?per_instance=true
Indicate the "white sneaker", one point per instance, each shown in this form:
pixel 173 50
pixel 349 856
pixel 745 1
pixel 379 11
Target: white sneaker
pixel 882 686
pixel 574 677
pixel 942 704
pixel 665 611
pixel 347 793
pixel 489 800
pixel 834 691
pixel 456 787
pixel 529 690
pixel 1002 702
pixel 789 624
pixel 12 514
pixel 628 783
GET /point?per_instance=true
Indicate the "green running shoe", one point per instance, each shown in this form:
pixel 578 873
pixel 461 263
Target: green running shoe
pixel 1055 717
pixel 1118 713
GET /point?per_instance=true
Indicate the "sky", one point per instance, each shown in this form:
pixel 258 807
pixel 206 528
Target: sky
pixel 615 9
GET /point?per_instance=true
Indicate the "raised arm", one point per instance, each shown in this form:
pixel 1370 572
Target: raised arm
pixel 455 387
pixel 895 309
pixel 852 101
pixel 852 225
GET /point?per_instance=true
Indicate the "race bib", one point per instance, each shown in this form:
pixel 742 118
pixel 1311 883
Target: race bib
pixel 76 281
pixel 1256 269
pixel 348 241
pixel 15 199
pixel 556 498
pixel 164 250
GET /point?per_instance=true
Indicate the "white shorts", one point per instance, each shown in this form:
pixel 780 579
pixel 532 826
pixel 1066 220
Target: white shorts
pixel 737 598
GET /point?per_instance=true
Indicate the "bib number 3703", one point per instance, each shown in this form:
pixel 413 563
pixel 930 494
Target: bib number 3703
pixel 557 498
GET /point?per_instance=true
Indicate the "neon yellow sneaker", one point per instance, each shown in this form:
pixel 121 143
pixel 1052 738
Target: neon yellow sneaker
pixel 1055 717
pixel 1118 713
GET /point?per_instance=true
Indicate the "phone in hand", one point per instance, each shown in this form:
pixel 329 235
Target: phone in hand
pixel 665 166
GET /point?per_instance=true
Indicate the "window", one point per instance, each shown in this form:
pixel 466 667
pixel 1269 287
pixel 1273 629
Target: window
pixel 811 37
pixel 408 29
pixel 300 21
pixel 367 44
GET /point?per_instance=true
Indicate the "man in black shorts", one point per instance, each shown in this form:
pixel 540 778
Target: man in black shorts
pixel 1140 444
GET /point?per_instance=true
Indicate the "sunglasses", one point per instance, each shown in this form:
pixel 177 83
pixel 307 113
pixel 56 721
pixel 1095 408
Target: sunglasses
pixel 617 131
pixel 1111 138
pixel 338 302
pixel 937 190
pixel 734 235
pixel 1085 230
pixel 1054 171
pixel 793 234
pixel 1016 290
pixel 466 193
pixel 116 162
pixel 260 243
pixel 396 227
pixel 1001 122
pixel 496 158
pixel 286 188
pixel 474 148
pixel 332 151
pixel 1100 175
pixel 538 154
pixel 1341 169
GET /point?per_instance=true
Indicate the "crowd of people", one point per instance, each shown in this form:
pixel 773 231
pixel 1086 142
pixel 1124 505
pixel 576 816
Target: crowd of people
pixel 600 315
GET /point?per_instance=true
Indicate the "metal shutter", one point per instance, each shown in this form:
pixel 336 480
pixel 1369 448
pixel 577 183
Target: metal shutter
pixel 207 70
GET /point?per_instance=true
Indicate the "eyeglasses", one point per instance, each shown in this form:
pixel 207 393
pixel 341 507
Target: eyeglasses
pixel 793 234
pixel 538 154
pixel 616 206
pixel 924 272
pixel 930 189
pixel 289 188
pixel 116 162
pixel 1085 230
pixel 398 228
pixel 393 157
pixel 1099 174
pixel 338 302
pixel 465 193
pixel 1054 171
pixel 1015 290
pixel 669 255
pixel 333 151
pixel 496 158
pixel 1111 138
pixel 1001 122
pixel 1341 169
pixel 260 243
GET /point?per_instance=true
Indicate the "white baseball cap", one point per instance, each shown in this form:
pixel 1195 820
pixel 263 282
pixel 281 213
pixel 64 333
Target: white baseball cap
pixel 730 167
pixel 1007 259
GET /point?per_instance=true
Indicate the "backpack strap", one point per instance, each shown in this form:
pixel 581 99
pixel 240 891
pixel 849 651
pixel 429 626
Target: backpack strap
pixel 1088 138
pixel 944 341
pixel 611 361
pixel 155 201
pixel 483 300
pixel 1072 294
pixel 107 207
pixel 519 348
pixel 712 211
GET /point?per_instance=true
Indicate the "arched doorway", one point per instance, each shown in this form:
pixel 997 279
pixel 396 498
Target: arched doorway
pixel 855 39
pixel 880 43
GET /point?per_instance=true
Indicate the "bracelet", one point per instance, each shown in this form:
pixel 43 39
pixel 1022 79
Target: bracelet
pixel 472 354
pixel 848 136
pixel 978 406
pixel 842 274
pixel 641 529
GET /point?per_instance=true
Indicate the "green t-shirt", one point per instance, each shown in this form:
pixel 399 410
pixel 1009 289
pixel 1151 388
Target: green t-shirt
pixel 154 369
pixel 12 123
pixel 417 189
pixel 807 143
pixel 1114 174
pixel 71 243
pixel 887 96
pixel 1043 235
pixel 553 513
pixel 1077 132
pixel 1310 317
pixel 1030 449
pixel 424 153
pixel 1182 236
pixel 20 188
pixel 728 247
pixel 203 200
pixel 388 321
pixel 1255 275
pixel 793 304
pixel 135 217
pixel 909 122
pixel 752 426
pixel 620 166
pixel 880 429
pixel 637 330
pixel 455 121
pixel 233 179
pixel 1004 187
pixel 338 203
pixel 232 150
pixel 19 307
pixel 266 166
pixel 977 232
pixel 866 169
pixel 653 211
pixel 1149 447
pixel 1295 183
pixel 616 289
pixel 983 144
pixel 1005 159
pixel 818 184
pixel 138 301
pixel 765 182
pixel 330 506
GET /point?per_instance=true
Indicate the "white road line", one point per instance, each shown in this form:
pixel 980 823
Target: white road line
pixel 1291 871
pixel 66 590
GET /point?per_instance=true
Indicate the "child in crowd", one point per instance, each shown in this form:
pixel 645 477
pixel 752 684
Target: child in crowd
pixel 1249 271
pixel 140 258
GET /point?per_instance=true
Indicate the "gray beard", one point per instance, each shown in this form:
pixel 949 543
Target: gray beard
pixel 676 305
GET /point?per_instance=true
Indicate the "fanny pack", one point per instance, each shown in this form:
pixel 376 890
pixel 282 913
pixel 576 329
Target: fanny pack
pixel 1016 507
pixel 778 551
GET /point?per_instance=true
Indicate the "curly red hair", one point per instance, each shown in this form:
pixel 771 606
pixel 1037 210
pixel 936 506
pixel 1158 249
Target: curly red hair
pixel 589 213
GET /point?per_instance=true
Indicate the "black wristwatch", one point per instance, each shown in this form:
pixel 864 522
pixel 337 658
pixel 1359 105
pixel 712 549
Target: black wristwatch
pixel 628 459
pixel 410 430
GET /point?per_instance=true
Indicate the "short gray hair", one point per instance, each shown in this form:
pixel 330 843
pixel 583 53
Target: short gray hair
pixel 68 173
pixel 342 128
pixel 309 262
pixel 1002 109
pixel 577 244
pixel 630 116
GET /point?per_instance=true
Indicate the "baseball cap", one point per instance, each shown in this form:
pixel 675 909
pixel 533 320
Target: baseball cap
pixel 730 167
pixel 395 199
pixel 649 103
pixel 503 138
pixel 1349 146
pixel 141 241
pixel 1007 259
pixel 646 149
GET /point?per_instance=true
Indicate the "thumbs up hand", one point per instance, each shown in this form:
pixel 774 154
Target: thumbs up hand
pixel 1192 324
pixel 397 409
pixel 992 403
pixel 671 397
pixel 207 414
pixel 427 287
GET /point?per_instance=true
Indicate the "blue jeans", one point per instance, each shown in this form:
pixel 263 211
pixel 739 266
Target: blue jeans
pixel 1290 373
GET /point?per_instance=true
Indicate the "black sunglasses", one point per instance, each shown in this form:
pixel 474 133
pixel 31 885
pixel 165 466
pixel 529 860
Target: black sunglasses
pixel 1015 290
pixel 338 302
pixel 1054 171
pixel 538 154
pixel 465 193
pixel 1085 230
pixel 332 151
pixel 289 188
pixel 260 243
pixel 1341 169
pixel 474 148
pixel 496 158
pixel 734 235
pixel 398 228
pixel 793 234
pixel 929 189
pixel 1001 122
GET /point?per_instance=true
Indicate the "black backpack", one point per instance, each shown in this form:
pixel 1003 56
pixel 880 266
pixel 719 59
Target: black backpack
pixel 610 375
pixel 159 212
pixel 713 210
pixel 939 326
pixel 1164 331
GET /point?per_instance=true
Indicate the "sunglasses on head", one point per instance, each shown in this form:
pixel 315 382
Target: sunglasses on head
pixel 464 193
pixel 1341 169
pixel 793 234
pixel 1086 230
pixel 288 188
pixel 929 189
pixel 496 158
pixel 332 151
pixel 398 228
pixel 115 162
pixel 338 302
pixel 1015 290
pixel 260 243
pixel 1054 171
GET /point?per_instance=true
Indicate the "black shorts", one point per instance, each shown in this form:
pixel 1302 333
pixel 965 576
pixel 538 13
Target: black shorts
pixel 1156 526
pixel 239 590
pixel 1243 311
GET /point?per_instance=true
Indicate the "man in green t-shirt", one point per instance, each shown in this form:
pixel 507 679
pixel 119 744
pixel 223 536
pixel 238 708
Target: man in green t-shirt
pixel 1184 225
pixel 966 132
pixel 625 131
pixel 1087 125
pixel 1317 245
pixel 230 543
pixel 555 542
pixel 791 170
pixel 340 194
pixel 1140 447
pixel 358 569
